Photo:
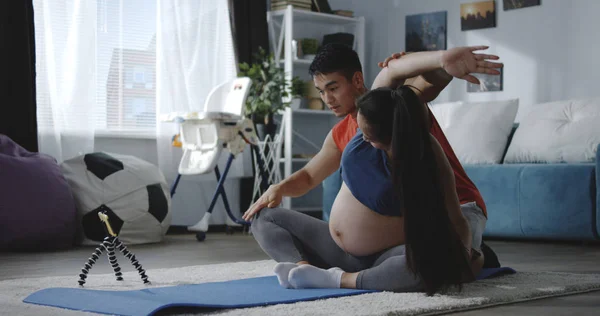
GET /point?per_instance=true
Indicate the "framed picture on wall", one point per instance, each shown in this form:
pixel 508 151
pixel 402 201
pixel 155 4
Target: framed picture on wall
pixel 477 15
pixel 518 4
pixel 488 83
pixel 425 32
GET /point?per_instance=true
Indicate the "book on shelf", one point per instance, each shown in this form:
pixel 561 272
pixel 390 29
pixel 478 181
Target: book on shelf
pixel 346 13
pixel 297 4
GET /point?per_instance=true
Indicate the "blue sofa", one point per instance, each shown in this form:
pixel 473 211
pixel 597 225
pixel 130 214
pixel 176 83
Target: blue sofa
pixel 558 201
pixel 528 201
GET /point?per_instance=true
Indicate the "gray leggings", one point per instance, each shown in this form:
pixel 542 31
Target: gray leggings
pixel 291 236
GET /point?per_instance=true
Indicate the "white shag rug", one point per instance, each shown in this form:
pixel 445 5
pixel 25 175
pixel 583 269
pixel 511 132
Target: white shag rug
pixel 518 287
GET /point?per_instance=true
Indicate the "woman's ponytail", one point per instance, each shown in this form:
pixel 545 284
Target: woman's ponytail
pixel 433 248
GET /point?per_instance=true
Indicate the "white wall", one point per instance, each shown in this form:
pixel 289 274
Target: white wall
pixel 550 52
pixel 194 193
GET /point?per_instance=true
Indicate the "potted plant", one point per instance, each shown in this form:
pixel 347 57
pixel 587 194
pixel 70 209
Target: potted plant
pixel 309 46
pixel 298 93
pixel 268 91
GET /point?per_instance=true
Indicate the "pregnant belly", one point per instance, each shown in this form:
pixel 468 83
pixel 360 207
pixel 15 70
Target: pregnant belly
pixel 361 231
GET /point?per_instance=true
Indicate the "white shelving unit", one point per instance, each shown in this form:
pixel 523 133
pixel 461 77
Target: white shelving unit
pixel 305 129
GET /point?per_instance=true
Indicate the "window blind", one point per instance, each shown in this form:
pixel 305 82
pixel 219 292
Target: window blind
pixel 96 65
pixel 97 61
pixel 126 62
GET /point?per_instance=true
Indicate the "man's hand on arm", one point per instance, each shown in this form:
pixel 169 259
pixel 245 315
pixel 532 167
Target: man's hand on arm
pixel 430 72
pixel 429 84
pixel 401 66
pixel 437 67
pixel 302 181
pixel 436 77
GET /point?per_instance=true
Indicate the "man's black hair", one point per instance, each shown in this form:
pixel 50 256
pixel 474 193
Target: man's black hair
pixel 335 57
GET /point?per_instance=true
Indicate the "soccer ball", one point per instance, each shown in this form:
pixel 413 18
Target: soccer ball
pixel 132 192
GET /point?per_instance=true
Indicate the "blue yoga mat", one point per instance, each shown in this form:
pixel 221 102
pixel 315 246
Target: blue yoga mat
pixel 250 292
pixel 494 272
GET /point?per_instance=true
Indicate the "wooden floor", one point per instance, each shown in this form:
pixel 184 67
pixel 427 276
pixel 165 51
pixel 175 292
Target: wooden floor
pixel 183 250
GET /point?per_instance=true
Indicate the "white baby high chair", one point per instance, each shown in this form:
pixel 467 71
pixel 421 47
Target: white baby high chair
pixel 203 135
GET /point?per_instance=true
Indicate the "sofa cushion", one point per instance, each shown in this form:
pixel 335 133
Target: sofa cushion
pixel 555 132
pixel 477 131
pixel 499 186
pixel 556 201
pixel 540 201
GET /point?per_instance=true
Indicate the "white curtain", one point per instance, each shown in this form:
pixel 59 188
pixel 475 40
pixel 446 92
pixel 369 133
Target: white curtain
pixel 65 34
pixel 194 53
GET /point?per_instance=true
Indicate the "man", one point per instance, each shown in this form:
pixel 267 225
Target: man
pixel 337 75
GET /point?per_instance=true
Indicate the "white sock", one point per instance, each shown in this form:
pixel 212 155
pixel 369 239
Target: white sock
pixel 307 276
pixel 282 270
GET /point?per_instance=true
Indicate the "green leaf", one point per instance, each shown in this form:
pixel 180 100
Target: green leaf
pixel 269 85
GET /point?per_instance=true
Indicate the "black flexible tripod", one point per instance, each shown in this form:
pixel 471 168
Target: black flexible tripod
pixel 111 241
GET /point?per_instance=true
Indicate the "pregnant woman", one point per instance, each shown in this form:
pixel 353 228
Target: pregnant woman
pixel 396 224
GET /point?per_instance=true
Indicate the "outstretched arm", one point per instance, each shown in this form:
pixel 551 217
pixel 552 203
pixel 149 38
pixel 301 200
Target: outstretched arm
pixel 300 182
pixel 404 66
pixel 430 72
pixel 437 67
pixel 430 83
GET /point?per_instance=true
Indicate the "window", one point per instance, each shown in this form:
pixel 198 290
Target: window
pixel 126 61
pixel 96 62
pixel 106 50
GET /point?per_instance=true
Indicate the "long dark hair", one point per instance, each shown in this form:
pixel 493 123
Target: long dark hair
pixel 434 250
